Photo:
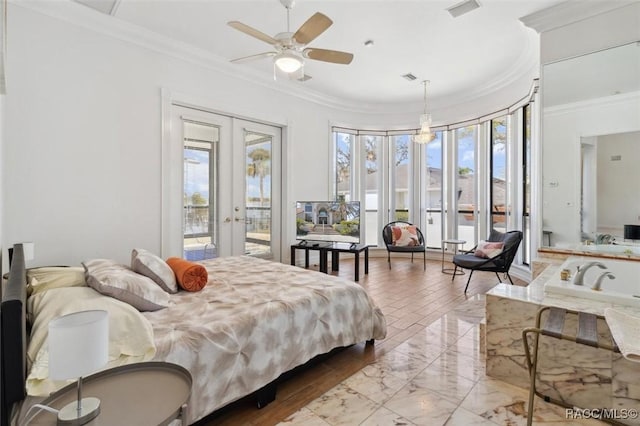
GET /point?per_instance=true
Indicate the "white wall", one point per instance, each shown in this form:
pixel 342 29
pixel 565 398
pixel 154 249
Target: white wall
pixel 83 137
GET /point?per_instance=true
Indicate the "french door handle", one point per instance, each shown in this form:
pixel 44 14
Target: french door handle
pixel 239 219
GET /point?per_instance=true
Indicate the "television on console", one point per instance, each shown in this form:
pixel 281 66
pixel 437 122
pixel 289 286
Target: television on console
pixel 330 221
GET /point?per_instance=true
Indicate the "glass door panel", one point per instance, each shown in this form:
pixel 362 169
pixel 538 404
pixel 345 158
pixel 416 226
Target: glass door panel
pixel 258 194
pixel 200 239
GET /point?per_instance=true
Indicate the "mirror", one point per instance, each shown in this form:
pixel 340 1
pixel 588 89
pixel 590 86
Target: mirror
pixel 590 147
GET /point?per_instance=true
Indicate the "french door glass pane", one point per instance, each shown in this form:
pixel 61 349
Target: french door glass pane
pixel 258 148
pixel 466 184
pixel 433 194
pixel 199 172
pixel 372 146
pixel 498 173
pixel 400 169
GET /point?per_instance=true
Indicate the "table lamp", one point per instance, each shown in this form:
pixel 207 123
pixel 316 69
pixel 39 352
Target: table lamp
pixel 78 345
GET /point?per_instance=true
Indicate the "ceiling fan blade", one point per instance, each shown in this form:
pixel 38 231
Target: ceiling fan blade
pixel 253 32
pixel 311 29
pixel 325 55
pixel 253 57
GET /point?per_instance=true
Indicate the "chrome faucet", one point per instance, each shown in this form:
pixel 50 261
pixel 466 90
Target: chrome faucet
pixel 579 279
pixel 598 283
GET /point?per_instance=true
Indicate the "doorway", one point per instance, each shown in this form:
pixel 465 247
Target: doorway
pixel 226 200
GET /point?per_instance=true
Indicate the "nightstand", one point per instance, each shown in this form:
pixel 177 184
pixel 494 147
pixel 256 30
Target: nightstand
pixel 145 393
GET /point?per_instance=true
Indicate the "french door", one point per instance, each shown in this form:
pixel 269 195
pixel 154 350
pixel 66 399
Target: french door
pixel 226 199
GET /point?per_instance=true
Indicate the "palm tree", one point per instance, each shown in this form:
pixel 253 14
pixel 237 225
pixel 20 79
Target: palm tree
pixel 260 166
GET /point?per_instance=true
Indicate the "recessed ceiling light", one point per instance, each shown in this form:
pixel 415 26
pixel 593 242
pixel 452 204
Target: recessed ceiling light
pixel 368 43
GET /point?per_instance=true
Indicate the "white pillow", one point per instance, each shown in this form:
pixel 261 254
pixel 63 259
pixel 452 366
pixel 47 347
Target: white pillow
pixel 130 333
pixel 48 277
pixel 148 264
pixel 115 280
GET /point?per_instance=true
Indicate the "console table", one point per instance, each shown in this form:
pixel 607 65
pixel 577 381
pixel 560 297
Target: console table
pixel 335 249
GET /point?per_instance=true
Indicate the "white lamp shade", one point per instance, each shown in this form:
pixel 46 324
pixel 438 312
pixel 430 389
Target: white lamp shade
pixel 78 344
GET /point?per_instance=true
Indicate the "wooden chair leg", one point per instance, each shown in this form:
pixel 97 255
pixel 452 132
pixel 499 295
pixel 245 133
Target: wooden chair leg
pixel 389 259
pixel 424 260
pixel 468 281
pixel 411 257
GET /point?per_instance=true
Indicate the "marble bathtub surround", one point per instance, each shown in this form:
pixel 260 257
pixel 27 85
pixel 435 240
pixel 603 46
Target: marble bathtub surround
pixel 580 375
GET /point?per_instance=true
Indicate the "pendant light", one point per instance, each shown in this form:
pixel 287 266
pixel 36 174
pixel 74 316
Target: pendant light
pixel 425 135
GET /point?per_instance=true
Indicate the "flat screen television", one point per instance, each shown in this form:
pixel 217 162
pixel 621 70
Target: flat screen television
pixel 331 221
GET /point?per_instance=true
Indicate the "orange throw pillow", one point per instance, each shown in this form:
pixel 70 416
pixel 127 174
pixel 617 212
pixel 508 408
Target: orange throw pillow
pixel 191 276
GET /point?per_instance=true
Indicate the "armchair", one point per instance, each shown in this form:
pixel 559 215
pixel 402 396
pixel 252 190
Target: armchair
pixel 500 262
pixel 404 240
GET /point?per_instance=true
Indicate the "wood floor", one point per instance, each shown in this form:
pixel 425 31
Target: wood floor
pixel 410 298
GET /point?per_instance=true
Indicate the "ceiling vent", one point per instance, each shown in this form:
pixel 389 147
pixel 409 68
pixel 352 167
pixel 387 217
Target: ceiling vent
pixel 108 7
pixel 409 77
pixel 463 7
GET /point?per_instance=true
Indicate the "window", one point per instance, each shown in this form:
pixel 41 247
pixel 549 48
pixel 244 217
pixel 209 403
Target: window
pixel 434 205
pixel 466 184
pixel 343 155
pixel 400 177
pixel 461 185
pixel 526 185
pixel 498 165
pixel 372 146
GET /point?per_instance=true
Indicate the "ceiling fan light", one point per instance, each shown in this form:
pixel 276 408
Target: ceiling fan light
pixel 288 62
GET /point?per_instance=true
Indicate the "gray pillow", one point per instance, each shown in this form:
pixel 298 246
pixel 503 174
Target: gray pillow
pixel 148 264
pixel 118 281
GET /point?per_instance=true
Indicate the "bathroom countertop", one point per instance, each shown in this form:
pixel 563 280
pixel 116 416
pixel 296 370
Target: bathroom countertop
pixel 534 293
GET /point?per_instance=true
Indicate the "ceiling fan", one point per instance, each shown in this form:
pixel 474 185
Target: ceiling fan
pixel 290 49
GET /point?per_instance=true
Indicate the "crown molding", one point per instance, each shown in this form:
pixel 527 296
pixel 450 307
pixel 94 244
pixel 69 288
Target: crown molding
pixel 87 18
pixel 572 107
pixel 569 12
pixel 81 16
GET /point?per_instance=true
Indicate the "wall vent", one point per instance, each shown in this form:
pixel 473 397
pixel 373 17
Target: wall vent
pixel 409 77
pixel 616 157
pixel 463 7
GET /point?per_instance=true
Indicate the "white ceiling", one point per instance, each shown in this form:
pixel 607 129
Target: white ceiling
pixel 472 55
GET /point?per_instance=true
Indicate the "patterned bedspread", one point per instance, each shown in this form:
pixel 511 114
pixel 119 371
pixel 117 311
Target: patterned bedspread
pixel 255 320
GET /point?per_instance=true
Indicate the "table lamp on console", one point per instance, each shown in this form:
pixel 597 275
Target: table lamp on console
pixel 78 346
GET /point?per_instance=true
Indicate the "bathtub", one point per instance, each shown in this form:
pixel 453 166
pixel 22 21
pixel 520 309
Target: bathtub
pixel 623 290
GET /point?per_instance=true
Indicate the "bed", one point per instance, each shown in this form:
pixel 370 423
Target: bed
pixel 254 321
